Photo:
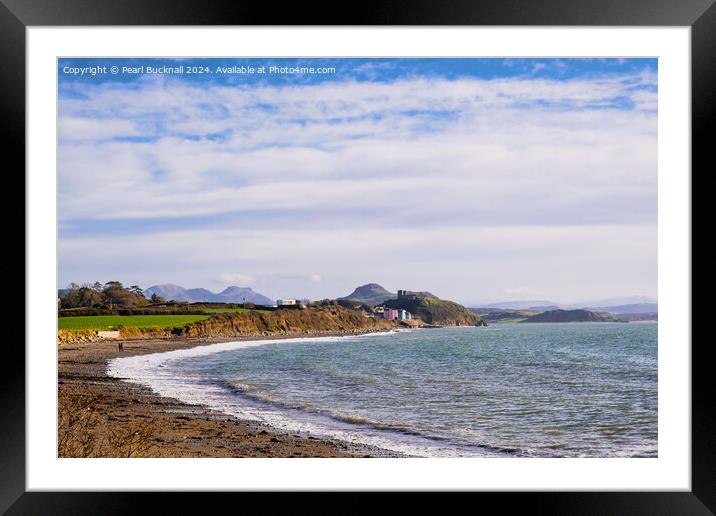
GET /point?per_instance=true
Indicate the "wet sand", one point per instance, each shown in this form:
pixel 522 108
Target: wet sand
pixel 127 419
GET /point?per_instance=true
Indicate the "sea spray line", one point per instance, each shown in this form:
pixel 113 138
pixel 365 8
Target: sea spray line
pixel 525 390
pixel 150 370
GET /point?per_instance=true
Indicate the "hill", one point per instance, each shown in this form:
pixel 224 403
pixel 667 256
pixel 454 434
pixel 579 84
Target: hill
pixel 371 294
pixel 614 301
pixel 231 294
pixel 521 305
pixel 238 294
pixel 570 316
pixel 617 305
pixel 634 308
pixel 505 315
pixel 433 310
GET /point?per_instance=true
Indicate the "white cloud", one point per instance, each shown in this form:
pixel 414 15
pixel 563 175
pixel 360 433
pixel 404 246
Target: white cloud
pixel 465 263
pixel 235 278
pixel 84 128
pixel 462 183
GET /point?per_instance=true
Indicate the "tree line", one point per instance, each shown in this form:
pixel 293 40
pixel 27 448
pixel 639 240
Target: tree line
pixel 111 295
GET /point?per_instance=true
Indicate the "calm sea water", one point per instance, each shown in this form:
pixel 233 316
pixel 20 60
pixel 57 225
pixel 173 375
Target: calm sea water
pixel 532 390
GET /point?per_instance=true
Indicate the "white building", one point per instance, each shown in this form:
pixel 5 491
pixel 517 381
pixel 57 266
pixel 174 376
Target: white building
pixel 404 315
pixel 286 302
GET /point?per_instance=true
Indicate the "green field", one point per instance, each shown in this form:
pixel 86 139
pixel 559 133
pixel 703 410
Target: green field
pixel 111 322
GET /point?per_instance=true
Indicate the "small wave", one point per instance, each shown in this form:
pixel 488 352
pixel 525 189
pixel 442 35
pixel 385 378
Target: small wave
pixel 447 445
pixel 170 374
pixel 258 394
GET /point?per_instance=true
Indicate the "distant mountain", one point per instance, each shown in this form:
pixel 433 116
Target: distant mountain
pixel 569 316
pixel 503 315
pixel 231 294
pixel 238 294
pixel 633 304
pixel 521 305
pixel 170 292
pixel 198 293
pixel 636 308
pixel 613 301
pixel 370 294
pixel 543 308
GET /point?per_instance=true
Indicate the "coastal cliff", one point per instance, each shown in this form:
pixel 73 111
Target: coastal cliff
pixel 309 320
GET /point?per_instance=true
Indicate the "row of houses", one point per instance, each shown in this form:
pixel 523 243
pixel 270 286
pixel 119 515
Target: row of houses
pixel 391 314
pixel 400 314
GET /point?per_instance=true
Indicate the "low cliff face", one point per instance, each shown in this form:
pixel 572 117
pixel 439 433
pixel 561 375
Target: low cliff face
pixel 309 320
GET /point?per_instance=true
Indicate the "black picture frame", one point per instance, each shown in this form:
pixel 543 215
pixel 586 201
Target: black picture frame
pixel 17 15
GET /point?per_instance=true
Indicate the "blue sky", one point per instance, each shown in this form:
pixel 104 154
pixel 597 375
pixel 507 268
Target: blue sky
pixel 459 176
pixel 366 69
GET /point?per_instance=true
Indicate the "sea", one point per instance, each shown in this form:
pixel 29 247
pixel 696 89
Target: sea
pixel 506 390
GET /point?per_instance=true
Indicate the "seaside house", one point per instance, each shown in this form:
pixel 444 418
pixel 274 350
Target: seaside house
pixel 286 302
pixel 404 315
pixel 390 314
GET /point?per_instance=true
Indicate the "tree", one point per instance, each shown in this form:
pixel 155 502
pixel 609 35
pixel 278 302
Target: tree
pixel 115 294
pixel 72 297
pixel 89 297
pixel 157 300
pixel 112 292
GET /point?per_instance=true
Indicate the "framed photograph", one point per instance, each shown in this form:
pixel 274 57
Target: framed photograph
pixel 416 250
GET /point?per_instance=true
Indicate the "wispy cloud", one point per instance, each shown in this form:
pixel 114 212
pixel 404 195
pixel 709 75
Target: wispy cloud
pixel 235 278
pixel 260 164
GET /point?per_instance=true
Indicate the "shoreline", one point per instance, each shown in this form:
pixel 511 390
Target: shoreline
pixel 128 419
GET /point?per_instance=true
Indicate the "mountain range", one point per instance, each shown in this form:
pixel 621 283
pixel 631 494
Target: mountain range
pixel 622 305
pixel 230 294
pixel 577 315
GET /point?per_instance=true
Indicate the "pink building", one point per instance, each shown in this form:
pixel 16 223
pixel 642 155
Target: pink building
pixel 390 314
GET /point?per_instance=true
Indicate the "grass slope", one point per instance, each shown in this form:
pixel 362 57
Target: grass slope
pixel 112 322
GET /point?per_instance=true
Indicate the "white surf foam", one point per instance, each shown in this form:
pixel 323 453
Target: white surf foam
pixel 155 371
